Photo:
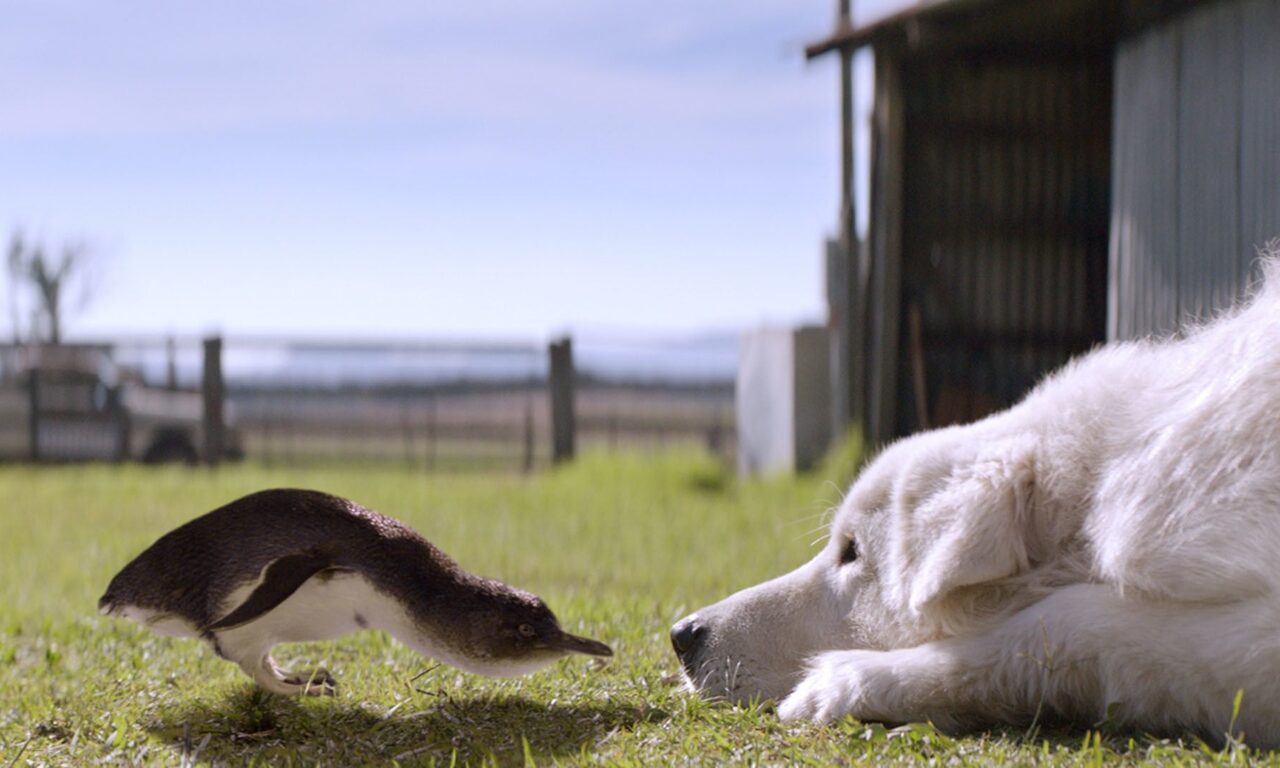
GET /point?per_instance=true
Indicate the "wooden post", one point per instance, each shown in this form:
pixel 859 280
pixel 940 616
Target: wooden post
pixel 406 428
pixel 33 378
pixel 560 384
pixel 287 429
pixel 886 252
pixel 715 439
pixel 171 363
pixel 124 425
pixel 849 361
pixel 839 322
pixel 528 429
pixel 213 392
pixel 431 430
pixel 919 384
pixel 269 436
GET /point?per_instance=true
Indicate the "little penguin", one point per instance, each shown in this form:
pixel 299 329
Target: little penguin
pixel 292 565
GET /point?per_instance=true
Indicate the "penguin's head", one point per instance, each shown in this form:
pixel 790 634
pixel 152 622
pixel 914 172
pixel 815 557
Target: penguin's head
pixel 516 633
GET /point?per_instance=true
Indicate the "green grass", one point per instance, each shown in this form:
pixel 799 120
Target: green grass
pixel 620 547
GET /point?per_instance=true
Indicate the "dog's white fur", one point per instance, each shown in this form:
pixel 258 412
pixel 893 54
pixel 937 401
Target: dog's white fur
pixel 1110 547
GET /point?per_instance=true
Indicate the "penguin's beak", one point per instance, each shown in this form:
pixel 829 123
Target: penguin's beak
pixel 574 644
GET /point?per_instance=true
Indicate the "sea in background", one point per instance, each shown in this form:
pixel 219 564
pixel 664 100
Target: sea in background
pixel 266 361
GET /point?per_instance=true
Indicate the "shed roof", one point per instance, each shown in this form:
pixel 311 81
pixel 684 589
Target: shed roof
pixel 940 27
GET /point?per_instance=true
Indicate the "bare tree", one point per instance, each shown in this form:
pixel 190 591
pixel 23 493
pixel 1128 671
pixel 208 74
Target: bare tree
pixel 48 279
pixel 14 262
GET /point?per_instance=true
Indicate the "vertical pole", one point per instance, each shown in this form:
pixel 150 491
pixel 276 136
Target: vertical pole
pixel 171 363
pixel 213 392
pixel 528 429
pixel 406 428
pixel 124 425
pixel 715 439
pixel 560 384
pixel 848 364
pixel 431 431
pixel 838 321
pixel 33 379
pixel 287 428
pixel 269 421
pixel 847 192
pixel 886 250
pixel 919 382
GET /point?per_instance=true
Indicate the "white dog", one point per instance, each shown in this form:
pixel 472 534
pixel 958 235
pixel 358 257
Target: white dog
pixel 1110 547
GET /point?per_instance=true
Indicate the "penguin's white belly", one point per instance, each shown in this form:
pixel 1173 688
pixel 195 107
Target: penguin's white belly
pixel 330 606
pixel 323 608
pixel 326 606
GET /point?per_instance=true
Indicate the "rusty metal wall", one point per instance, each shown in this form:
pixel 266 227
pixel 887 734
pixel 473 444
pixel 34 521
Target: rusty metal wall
pixel 1006 206
pixel 1197 165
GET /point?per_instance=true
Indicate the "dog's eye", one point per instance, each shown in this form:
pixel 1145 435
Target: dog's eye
pixel 850 552
pixel 526 630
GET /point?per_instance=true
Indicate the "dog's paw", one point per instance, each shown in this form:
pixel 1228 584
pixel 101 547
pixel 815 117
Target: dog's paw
pixel 838 684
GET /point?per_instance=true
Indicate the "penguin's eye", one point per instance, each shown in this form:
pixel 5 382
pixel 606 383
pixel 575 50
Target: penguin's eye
pixel 526 630
pixel 850 552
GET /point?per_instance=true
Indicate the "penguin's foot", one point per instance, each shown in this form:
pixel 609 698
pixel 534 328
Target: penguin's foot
pixel 317 682
pixel 314 682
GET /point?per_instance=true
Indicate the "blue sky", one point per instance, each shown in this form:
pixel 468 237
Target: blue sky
pixel 403 168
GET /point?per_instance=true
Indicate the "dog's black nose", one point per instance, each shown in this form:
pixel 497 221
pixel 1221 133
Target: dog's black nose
pixel 687 635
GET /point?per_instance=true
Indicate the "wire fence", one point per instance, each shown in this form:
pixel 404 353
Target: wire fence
pixel 445 406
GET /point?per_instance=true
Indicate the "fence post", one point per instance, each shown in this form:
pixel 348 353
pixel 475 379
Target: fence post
pixel 560 384
pixel 406 426
pixel 171 363
pixel 33 378
pixel 431 438
pixel 124 425
pixel 528 429
pixel 213 392
pixel 269 432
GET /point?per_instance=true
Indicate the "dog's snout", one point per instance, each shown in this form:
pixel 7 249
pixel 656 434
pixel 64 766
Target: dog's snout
pixel 687 635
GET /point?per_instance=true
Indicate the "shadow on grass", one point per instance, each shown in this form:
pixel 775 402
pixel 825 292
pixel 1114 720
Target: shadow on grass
pixel 1106 737
pixel 250 725
pixel 1057 738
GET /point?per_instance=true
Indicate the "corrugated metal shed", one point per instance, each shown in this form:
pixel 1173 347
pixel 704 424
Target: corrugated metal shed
pixel 990 185
pixel 1197 156
pixel 1005 236
pixel 1050 173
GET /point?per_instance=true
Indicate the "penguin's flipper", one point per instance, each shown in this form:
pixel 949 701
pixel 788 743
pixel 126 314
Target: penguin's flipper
pixel 280 579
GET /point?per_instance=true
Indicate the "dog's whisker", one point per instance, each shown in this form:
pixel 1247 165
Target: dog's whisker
pixel 819 517
pixel 841 495
pixel 705 678
pixel 817 529
pixel 823 519
pixel 702 683
pixel 733 676
pixel 823 529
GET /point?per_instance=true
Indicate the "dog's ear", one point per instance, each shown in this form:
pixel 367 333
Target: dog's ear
pixel 975 528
